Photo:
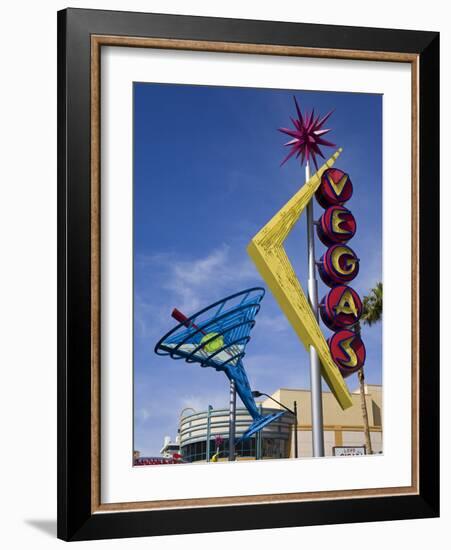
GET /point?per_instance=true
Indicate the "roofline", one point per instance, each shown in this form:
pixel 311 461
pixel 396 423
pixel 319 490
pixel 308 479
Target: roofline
pixel 324 391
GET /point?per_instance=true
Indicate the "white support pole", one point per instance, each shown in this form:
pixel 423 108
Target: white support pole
pixel 232 420
pixel 207 449
pixel 315 365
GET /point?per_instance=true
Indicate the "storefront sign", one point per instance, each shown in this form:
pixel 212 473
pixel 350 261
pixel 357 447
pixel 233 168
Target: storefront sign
pixel 349 451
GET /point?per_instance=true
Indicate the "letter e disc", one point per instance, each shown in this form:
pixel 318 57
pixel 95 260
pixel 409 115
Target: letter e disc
pixel 336 225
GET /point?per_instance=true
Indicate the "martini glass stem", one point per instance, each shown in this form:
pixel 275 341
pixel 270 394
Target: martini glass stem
pixel 315 365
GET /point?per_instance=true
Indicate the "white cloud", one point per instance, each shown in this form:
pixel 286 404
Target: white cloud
pixel 143 414
pixel 152 318
pixel 268 371
pixel 200 402
pixel 194 283
pixel 275 323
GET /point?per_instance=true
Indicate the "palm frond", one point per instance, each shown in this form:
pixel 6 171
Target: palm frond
pixel 372 305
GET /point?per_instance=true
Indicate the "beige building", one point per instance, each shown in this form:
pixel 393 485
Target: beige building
pixel 341 428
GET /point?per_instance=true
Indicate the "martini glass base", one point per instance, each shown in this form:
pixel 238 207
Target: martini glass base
pixel 259 424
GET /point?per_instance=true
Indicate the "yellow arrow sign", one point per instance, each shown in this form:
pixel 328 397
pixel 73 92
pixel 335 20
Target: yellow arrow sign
pixel 267 251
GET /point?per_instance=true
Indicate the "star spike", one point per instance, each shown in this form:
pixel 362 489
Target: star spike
pixel 301 120
pixel 306 135
pixel 325 118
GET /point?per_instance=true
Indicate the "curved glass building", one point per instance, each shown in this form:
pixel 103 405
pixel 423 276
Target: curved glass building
pixel 196 430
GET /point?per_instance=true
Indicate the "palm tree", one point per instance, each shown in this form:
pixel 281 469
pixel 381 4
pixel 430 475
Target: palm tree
pixel 372 306
pixel 372 313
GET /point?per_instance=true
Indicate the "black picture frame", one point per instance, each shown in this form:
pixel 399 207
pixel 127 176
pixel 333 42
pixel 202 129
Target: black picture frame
pixel 76 519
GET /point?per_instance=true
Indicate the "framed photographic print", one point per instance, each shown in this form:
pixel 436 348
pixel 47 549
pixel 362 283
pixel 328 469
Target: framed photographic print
pixel 248 274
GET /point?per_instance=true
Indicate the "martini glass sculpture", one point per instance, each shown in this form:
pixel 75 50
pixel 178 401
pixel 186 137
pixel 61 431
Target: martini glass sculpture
pixel 217 337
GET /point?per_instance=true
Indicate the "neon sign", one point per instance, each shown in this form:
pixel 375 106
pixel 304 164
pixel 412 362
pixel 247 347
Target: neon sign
pixel 336 225
pixel 338 265
pixel 336 188
pixel 341 308
pixel 268 253
pixel 348 351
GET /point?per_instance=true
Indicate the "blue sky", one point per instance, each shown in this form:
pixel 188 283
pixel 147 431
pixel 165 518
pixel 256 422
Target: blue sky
pixel 207 177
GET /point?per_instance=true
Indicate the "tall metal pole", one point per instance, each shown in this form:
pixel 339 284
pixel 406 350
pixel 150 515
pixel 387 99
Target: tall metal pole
pixel 232 418
pixel 207 450
pixel 295 408
pixel 315 366
pixel 259 436
pixel 260 444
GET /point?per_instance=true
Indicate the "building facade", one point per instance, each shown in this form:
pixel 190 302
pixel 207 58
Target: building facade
pixel 341 428
pixel 197 431
pixel 170 448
